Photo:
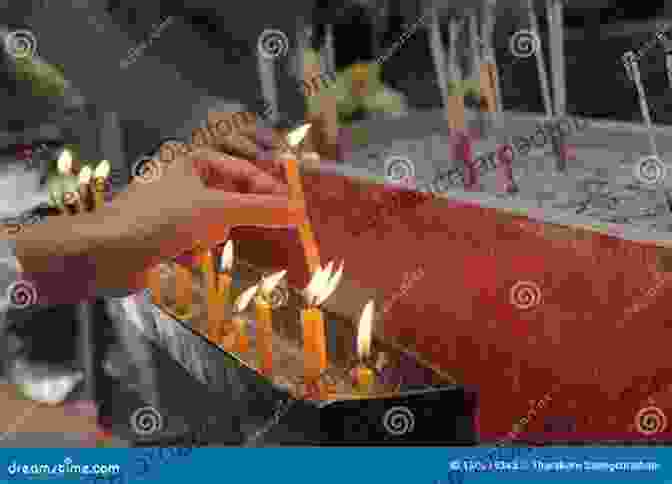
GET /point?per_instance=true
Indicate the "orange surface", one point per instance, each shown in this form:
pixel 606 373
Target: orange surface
pixel 583 343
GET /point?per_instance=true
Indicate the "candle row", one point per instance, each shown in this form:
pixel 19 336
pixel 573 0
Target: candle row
pixel 88 196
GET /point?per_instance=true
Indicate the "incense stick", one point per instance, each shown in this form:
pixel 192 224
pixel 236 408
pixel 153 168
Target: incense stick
pixel 541 64
pixel 439 57
pixel 632 67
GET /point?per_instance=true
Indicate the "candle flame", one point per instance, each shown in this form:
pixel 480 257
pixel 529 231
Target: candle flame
pixel 294 138
pixel 322 284
pixel 226 261
pixel 85 175
pixel 102 170
pixel 365 331
pixel 331 285
pixel 65 163
pixel 269 283
pixel 244 299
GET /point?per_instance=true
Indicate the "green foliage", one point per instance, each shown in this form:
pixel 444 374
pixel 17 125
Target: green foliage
pixel 45 79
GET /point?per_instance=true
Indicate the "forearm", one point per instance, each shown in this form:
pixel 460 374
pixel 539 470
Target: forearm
pixel 69 259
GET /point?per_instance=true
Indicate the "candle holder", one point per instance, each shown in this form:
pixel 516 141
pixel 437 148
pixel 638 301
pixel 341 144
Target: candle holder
pixel 426 408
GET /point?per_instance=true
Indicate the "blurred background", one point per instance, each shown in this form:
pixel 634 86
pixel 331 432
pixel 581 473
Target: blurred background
pixel 206 47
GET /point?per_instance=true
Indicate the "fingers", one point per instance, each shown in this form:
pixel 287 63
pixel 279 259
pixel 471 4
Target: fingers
pixel 226 172
pixel 233 209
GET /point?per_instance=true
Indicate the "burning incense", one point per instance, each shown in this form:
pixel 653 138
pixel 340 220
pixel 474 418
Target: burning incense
pixel 64 167
pixel 541 64
pixel 554 12
pixel 439 57
pixel 632 67
pixel 363 375
pixel 308 241
pixel 100 175
pixel 321 286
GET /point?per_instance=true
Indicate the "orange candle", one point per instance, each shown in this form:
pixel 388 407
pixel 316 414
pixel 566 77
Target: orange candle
pixel 183 292
pixel 153 282
pixel 314 344
pixel 264 336
pixel 306 235
pixel 218 295
pixel 242 341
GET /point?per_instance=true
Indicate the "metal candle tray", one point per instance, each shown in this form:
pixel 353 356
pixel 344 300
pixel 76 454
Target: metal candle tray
pixel 426 407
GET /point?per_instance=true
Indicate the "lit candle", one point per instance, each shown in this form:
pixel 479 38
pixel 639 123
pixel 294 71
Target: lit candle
pixel 363 375
pixel 321 286
pixel 219 288
pixel 64 166
pixel 306 235
pixel 71 202
pixel 84 190
pixel 241 344
pixel 264 321
pixel 99 181
pixel 183 291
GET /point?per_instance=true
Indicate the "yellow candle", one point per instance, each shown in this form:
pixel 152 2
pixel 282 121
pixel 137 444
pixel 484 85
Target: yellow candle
pixel 264 336
pixel 183 292
pixel 242 342
pixel 364 379
pixel 101 173
pixel 314 344
pixel 218 298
